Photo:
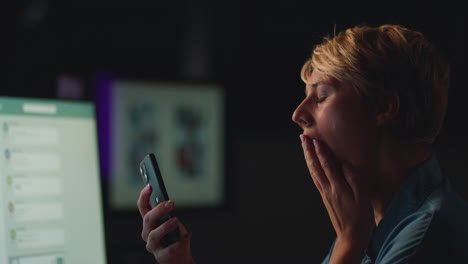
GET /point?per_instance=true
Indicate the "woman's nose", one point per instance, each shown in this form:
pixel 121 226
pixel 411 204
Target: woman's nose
pixel 301 116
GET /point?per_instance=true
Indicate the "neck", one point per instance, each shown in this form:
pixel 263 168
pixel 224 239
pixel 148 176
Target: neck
pixel 396 161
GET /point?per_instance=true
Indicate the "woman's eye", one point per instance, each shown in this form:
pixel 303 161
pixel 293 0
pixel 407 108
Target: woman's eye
pixel 320 99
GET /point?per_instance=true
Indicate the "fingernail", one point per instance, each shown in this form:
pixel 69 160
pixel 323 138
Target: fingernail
pixel 169 204
pixel 315 142
pixel 302 138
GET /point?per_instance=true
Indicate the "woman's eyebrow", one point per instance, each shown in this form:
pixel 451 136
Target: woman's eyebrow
pixel 314 86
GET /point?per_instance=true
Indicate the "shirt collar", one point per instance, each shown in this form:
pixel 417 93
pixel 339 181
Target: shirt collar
pixel 421 182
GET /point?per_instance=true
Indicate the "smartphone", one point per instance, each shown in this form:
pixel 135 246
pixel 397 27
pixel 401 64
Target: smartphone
pixel 151 174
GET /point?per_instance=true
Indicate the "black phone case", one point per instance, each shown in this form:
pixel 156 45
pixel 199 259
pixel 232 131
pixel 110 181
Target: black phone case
pixel 151 174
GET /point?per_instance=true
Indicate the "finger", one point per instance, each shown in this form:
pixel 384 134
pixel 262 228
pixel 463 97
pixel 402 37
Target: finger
pixel 313 164
pixel 151 219
pixel 328 164
pixel 143 202
pixel 331 212
pixel 179 247
pixel 183 231
pixel 353 180
pixel 185 236
pixel 155 236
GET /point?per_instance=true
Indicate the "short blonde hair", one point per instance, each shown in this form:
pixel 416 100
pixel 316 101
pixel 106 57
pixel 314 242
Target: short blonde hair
pixel 376 60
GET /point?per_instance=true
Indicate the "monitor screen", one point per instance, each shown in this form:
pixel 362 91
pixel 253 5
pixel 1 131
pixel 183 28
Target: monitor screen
pixel 50 193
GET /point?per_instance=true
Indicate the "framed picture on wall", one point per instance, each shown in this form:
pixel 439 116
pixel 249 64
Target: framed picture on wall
pixel 182 124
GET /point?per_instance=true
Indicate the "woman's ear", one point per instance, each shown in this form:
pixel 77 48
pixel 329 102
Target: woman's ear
pixel 387 108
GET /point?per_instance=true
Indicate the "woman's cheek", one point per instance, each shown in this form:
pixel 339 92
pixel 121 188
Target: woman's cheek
pixel 337 132
pixel 333 133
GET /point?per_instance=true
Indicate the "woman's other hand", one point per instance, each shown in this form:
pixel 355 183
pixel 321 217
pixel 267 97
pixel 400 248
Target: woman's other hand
pixel 176 253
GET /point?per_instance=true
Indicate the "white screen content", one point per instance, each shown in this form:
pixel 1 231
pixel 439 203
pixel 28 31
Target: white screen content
pixel 50 193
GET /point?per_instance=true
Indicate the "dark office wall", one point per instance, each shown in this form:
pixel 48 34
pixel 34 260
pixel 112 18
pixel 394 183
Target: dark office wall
pixel 255 51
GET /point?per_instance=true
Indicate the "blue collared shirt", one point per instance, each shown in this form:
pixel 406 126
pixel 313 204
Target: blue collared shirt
pixel 426 222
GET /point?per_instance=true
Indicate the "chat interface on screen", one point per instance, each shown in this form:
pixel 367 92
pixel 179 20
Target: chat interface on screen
pixel 50 194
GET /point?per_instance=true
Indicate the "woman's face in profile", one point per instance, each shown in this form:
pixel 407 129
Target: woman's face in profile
pixel 334 113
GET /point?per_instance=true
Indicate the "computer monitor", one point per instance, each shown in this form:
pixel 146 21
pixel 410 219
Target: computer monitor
pixel 50 194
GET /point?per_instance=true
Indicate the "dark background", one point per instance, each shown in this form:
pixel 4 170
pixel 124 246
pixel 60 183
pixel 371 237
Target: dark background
pixel 254 50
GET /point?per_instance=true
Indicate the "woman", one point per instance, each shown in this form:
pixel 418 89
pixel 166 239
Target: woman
pixel 375 101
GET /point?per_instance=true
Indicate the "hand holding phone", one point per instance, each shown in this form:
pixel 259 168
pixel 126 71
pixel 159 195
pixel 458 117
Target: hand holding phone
pixel 151 175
